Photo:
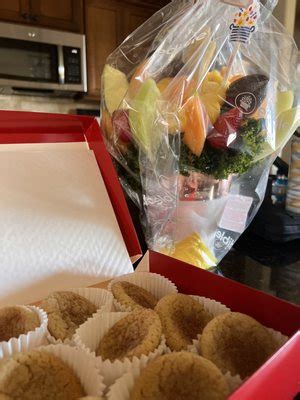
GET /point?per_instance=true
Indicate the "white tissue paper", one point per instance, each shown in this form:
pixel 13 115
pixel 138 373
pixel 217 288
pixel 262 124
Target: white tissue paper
pixel 58 229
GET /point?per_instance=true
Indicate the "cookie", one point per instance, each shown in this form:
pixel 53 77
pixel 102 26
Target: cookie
pixel 182 318
pixel 134 335
pixel 66 312
pixel 133 296
pixel 38 375
pixel 237 343
pixel 180 376
pixel 17 320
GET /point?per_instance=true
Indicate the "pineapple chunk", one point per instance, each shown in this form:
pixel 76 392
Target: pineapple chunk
pixel 212 94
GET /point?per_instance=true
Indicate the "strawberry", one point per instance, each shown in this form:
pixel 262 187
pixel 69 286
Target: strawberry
pixel 121 125
pixel 225 129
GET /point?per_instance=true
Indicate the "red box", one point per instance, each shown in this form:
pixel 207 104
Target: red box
pixel 278 378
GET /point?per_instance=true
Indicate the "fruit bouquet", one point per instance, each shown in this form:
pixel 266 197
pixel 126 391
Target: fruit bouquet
pixel 196 103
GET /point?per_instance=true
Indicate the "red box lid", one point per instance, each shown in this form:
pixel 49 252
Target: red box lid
pixel 26 127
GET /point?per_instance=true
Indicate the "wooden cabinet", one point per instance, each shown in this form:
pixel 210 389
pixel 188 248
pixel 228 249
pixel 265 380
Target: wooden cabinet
pixel 55 14
pixel 103 34
pixel 14 10
pixel 107 25
pixel 134 17
pixel 58 14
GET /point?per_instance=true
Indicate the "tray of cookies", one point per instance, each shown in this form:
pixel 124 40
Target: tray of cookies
pixel 178 345
pixel 173 331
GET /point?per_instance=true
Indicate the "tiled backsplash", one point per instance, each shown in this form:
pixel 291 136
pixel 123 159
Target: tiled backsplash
pixel 43 104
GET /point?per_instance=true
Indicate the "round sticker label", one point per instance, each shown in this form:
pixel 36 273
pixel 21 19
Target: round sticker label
pixel 246 102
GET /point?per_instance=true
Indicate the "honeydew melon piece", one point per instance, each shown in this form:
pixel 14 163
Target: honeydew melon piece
pixel 284 102
pixel 142 116
pixel 195 125
pixel 115 86
pixel 286 124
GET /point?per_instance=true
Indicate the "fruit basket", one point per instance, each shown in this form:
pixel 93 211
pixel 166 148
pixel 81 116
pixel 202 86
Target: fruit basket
pixel 196 103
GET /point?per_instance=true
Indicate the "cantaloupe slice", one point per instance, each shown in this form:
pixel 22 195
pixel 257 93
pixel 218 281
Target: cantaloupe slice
pixel 163 84
pixel 106 124
pixel 115 86
pixel 195 125
pixel 175 92
pixel 138 78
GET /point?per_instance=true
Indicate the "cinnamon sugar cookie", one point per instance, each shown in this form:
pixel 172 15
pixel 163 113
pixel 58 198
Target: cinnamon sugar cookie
pixel 38 375
pixel 66 312
pixel 237 343
pixel 136 334
pixel 182 318
pixel 180 376
pixel 17 320
pixel 133 296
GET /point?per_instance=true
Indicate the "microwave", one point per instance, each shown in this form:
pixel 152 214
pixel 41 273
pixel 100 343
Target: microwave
pixel 41 61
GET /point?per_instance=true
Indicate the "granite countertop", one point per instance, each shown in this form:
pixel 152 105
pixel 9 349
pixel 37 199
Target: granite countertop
pixel 271 267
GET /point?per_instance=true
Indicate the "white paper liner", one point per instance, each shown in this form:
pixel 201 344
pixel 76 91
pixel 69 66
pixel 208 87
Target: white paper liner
pixel 101 298
pixel 156 284
pixel 88 337
pixel 278 337
pixel 83 364
pixel 27 341
pixel 123 386
pixel 234 382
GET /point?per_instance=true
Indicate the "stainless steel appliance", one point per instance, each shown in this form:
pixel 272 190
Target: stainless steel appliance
pixel 41 61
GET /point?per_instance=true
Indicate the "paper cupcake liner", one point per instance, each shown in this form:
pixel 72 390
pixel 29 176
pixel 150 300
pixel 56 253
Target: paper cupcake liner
pixel 123 386
pixel 212 306
pixel 88 337
pixel 156 284
pixel 101 298
pixel 234 382
pixel 29 340
pixel 83 364
pixel 278 337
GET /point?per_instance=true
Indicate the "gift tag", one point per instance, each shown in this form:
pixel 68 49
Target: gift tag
pixel 235 213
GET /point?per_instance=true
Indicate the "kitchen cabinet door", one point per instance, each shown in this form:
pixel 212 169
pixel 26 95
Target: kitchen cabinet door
pixel 134 17
pixel 103 20
pixel 57 14
pixel 14 11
